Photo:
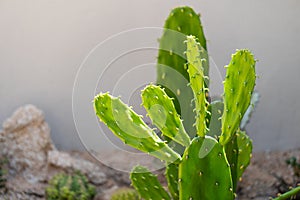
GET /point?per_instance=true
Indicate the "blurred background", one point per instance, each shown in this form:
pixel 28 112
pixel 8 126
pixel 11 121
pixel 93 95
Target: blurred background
pixel 43 43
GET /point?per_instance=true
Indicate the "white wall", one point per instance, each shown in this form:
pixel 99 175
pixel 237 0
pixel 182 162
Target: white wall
pixel 42 44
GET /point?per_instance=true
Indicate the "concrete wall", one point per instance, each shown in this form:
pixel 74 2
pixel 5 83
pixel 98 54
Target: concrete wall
pixel 43 43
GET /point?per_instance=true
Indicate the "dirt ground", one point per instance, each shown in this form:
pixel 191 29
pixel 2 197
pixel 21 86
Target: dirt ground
pixel 267 175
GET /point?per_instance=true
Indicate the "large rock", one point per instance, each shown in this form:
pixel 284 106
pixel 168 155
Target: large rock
pixel 26 142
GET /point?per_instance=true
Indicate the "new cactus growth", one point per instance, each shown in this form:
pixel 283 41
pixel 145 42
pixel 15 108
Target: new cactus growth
pixel 71 187
pixel 197 83
pixel 209 167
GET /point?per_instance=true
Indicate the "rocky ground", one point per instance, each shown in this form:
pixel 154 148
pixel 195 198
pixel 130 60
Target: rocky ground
pixel 32 160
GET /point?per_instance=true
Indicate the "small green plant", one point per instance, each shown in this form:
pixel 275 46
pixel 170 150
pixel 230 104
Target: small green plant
pixel 70 187
pixel 296 165
pixel 125 194
pixel 3 173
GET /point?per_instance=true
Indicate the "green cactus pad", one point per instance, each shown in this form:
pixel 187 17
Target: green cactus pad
pixel 216 108
pixel 171 70
pixel 238 88
pixel 238 152
pixel 195 70
pixel 162 112
pixel 204 172
pixel 172 179
pixel 147 184
pixel 130 128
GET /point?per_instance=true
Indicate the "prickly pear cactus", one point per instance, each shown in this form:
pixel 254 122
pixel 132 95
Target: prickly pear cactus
pixel 197 83
pixel 162 112
pixel 215 125
pixel 130 128
pixel 71 187
pixel 216 152
pixel 204 172
pixel 171 67
pixel 239 153
pixel 172 179
pixel 238 88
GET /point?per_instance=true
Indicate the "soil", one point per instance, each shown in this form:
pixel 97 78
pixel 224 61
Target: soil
pixel 267 175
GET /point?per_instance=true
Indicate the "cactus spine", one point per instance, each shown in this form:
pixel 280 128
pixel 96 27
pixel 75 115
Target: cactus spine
pixel 210 165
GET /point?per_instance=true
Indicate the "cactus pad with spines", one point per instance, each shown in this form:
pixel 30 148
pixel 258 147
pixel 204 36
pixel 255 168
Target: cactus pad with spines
pixel 172 179
pixel 238 152
pixel 130 128
pixel 197 83
pixel 204 172
pixel 215 125
pixel 238 87
pixel 171 68
pixel 147 184
pixel 162 112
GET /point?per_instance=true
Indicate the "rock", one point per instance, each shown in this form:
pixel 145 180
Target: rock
pixel 65 161
pixel 26 142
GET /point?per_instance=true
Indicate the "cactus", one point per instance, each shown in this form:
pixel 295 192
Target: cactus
pixel 172 179
pixel 147 184
pixel 196 74
pixel 171 68
pixel 130 128
pixel 71 187
pixel 209 168
pixel 125 194
pixel 162 112
pixel 216 110
pixel 205 168
pixel 238 87
pixel 239 153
